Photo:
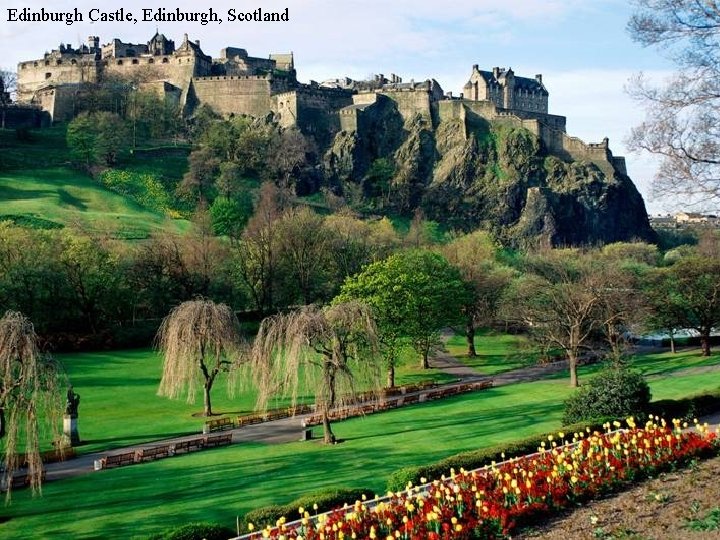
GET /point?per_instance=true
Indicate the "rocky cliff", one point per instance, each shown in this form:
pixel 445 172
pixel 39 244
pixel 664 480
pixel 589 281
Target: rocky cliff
pixel 467 172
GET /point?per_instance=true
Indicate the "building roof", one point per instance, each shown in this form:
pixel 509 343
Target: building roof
pixel 499 77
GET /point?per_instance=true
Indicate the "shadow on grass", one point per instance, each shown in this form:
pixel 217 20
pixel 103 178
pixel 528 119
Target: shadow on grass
pixel 67 199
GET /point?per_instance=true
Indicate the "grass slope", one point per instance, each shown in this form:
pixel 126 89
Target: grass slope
pixel 220 484
pixel 36 182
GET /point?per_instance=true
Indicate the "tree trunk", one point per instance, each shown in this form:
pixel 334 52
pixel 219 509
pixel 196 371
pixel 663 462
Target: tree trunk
pixel 425 364
pixel 328 435
pixel 672 343
pixel 208 406
pixel 2 422
pixel 705 343
pixel 391 374
pixel 470 335
pixel 572 361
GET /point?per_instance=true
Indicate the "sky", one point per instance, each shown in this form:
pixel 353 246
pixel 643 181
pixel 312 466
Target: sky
pixel 581 47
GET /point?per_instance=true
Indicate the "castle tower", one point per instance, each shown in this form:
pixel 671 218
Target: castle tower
pixel 509 89
pixel 93 43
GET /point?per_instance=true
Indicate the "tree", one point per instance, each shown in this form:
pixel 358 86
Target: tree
pixel 682 117
pixel 474 255
pixel 695 290
pixel 415 294
pixel 287 154
pixel 303 252
pixel 199 181
pixel 98 138
pixel 256 252
pixel 198 339
pixel 333 348
pixel 558 301
pixel 29 392
pixel 8 86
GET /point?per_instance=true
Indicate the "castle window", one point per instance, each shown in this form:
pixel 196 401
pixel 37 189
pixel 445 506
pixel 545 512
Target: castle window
pixel 35 64
pixel 73 62
pixel 151 61
pixel 48 75
pixel 165 61
pixel 119 62
pixel 47 62
pixel 22 66
pixel 58 62
pixel 135 61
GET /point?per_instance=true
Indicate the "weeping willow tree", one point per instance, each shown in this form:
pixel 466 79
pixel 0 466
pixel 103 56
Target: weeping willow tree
pixel 30 397
pixel 199 339
pixel 329 351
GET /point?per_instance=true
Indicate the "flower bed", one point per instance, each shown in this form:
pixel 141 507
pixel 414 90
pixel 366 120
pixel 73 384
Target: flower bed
pixel 493 501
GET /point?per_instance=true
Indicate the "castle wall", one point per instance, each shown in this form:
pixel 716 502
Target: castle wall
pixel 236 95
pixel 286 108
pixel 411 103
pixel 58 101
pixel 317 111
pixel 36 74
pixel 176 70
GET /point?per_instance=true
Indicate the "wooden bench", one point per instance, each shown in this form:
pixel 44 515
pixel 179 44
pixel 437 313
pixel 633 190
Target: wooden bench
pixel 212 441
pixel 190 445
pixel 20 481
pixel 219 424
pixel 118 460
pixel 155 452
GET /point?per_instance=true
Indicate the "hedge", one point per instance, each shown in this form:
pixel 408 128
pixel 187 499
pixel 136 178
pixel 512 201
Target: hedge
pixel 196 531
pixel 325 500
pixel 686 408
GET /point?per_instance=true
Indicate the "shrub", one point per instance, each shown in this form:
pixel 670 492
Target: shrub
pixel 196 531
pixel 686 408
pixel 614 393
pixel 325 500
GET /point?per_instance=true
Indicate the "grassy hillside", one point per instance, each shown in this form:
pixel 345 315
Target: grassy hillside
pixel 39 188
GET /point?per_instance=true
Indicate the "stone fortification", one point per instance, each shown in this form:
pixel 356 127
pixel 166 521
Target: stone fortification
pixel 236 83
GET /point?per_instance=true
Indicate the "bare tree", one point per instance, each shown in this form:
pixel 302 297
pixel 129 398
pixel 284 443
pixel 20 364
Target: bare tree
pixel 559 302
pixel 199 339
pixel 334 348
pixel 682 116
pixel 8 88
pixel 257 251
pixel 29 392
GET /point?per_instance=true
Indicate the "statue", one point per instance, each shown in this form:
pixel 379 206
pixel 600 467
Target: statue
pixel 73 400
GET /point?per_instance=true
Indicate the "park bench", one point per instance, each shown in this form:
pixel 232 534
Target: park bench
pixel 276 415
pixel 189 445
pixel 249 419
pixel 408 400
pixel 118 460
pixel 212 441
pixel 155 452
pixel 219 424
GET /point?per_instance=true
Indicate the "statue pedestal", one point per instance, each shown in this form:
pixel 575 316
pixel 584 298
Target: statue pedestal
pixel 70 430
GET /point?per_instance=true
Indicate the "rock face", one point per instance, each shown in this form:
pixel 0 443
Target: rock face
pixel 468 172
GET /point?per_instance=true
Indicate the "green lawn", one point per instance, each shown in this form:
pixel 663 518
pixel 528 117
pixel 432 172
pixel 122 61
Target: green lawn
pixel 37 183
pixel 496 353
pixel 218 485
pixel 68 197
pixel 119 405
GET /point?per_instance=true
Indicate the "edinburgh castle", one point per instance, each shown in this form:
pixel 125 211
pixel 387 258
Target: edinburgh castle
pixel 238 84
